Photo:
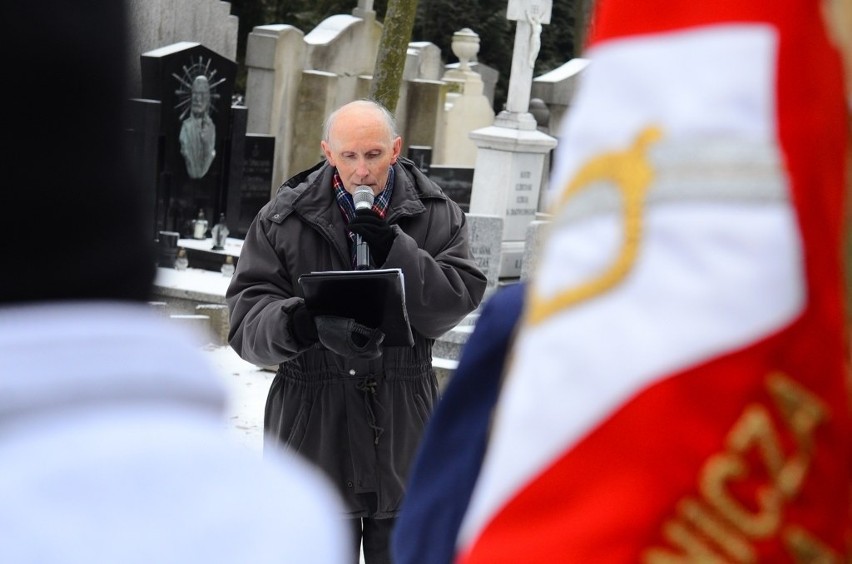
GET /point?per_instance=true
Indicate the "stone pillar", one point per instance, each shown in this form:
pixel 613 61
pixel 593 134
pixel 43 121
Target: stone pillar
pixel 425 102
pixel 275 57
pixel 486 233
pixel 217 315
pixel 315 101
pixel 466 107
pixel 271 52
pixel 536 234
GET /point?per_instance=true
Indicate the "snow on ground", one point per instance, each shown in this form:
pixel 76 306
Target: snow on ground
pixel 247 387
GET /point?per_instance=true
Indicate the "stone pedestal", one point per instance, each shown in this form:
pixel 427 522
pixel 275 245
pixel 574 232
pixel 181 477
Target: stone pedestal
pixel 536 235
pixel 218 320
pixel 486 232
pixel 507 181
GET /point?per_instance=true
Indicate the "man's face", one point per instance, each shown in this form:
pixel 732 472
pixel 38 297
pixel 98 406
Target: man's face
pixel 200 96
pixel 361 148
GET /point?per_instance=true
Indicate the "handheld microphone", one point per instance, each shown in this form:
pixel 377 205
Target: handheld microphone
pixel 363 198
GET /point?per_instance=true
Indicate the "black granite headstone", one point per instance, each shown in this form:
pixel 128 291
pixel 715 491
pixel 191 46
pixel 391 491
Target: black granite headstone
pixel 256 186
pixel 194 86
pixel 421 155
pixel 457 183
pixel 236 167
pixel 167 248
pixel 143 129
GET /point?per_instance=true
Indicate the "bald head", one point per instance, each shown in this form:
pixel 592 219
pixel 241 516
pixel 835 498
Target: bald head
pixel 360 141
pixel 364 110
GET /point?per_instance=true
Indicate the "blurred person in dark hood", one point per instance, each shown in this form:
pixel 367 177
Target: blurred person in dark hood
pixel 111 421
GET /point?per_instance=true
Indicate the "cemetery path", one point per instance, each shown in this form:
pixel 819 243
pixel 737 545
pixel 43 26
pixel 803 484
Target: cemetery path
pixel 247 386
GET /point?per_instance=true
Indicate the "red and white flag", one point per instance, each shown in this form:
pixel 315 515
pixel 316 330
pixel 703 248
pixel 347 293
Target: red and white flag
pixel 678 390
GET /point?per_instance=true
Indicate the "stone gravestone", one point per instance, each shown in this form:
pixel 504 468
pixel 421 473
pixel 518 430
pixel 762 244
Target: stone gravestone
pixel 167 248
pixel 143 130
pixel 466 108
pixel 235 164
pixel 486 236
pixel 486 233
pixel 194 86
pixel 537 232
pixel 455 181
pixel 421 155
pixel 254 188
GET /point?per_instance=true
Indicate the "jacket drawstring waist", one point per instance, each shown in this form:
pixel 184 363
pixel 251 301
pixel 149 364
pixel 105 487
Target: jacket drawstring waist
pixel 367 385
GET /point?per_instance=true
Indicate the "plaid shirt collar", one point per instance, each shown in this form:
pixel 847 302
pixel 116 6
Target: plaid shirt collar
pixel 347 204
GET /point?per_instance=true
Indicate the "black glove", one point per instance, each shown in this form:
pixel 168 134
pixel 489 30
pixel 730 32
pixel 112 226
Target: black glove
pixel 302 326
pixel 375 231
pixel 348 338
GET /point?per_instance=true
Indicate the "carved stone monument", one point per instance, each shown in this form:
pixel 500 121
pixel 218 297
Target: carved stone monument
pixel 254 189
pixel 466 108
pixel 511 157
pixel 194 86
pixel 197 130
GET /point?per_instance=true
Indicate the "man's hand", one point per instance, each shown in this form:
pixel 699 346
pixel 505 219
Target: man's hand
pixel 375 231
pixel 302 326
pixel 348 338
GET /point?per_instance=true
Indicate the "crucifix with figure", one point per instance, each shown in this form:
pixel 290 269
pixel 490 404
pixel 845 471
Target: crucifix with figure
pixel 530 16
pixel 511 153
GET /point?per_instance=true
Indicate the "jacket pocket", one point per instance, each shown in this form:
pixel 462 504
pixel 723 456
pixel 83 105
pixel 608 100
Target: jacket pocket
pixel 422 409
pixel 295 435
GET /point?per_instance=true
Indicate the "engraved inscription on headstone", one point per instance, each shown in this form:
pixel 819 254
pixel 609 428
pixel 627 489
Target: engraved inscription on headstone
pixel 522 200
pixel 486 233
pixel 256 187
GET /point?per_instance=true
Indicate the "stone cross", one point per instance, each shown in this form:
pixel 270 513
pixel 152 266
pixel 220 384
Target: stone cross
pixel 510 158
pixel 530 15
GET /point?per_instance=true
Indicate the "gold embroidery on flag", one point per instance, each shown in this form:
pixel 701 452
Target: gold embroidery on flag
pixel 719 526
pixel 694 549
pixel 753 428
pixel 802 411
pixel 716 529
pixel 631 173
pixel 804 548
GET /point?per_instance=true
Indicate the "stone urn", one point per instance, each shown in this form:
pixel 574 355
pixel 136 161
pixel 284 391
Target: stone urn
pixel 465 46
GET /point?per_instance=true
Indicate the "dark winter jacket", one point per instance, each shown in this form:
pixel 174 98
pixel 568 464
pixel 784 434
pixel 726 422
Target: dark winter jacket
pixel 360 420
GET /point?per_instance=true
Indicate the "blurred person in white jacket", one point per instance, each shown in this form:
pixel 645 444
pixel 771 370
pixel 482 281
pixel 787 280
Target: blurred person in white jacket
pixel 113 446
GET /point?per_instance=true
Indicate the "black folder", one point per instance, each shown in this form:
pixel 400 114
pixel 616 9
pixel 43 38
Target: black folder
pixel 375 298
